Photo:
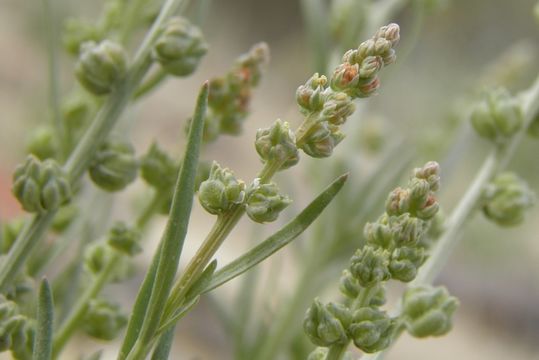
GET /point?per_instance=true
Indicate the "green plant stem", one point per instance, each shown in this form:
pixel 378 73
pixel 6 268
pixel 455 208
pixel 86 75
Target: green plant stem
pixel 153 80
pixel 54 97
pixel 496 161
pixel 305 127
pixel 67 328
pixel 81 156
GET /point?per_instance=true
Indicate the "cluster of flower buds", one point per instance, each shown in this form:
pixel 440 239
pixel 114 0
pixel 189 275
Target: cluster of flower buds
pixel 42 143
pixel 428 311
pixel 221 190
pixel 114 165
pixel 98 257
pixel 100 66
pixel 264 202
pixel 327 104
pixel 506 199
pixel 103 320
pixel 124 239
pixel 230 96
pixel 277 143
pixel 17 332
pixel 498 116
pixel 180 47
pixel 394 250
pixel 158 169
pixel 40 186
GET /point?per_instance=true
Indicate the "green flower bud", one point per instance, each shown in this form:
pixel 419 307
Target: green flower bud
pixel 9 234
pixel 431 173
pixel 76 32
pixel 406 230
pixel 320 353
pixel 158 169
pixel 398 202
pixel 277 143
pixel 264 203
pixel 404 263
pixel 203 173
pixel 379 233
pixel 379 297
pixel 12 324
pixel 124 239
pixel 221 191
pixel 249 67
pixel 114 165
pixel 506 199
pixel 348 285
pixel 337 108
pixel 498 116
pixel 100 66
pixel 370 266
pixel 96 257
pixel 371 330
pixel 40 186
pixel 23 340
pixel 64 217
pixel 533 129
pixel 321 140
pixel 390 32
pixel 42 143
pixel 103 320
pixel 427 311
pixel 310 97
pixel 180 47
pixel 322 327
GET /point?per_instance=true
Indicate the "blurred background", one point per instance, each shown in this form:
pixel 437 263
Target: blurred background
pixel 449 52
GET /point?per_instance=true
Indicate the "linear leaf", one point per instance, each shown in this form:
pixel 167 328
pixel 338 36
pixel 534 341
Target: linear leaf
pixel 45 315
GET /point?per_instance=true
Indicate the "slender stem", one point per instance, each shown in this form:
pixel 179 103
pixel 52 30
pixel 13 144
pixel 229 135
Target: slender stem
pixel 305 127
pixel 151 82
pixel 67 328
pixel 54 97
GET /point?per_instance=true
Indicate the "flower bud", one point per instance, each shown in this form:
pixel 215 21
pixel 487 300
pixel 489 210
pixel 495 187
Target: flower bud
pixel 114 165
pixel 406 229
pixel 249 67
pixel 431 173
pixel 221 191
pixel 277 143
pixel 506 199
pixel 124 239
pixel 337 108
pixel 158 169
pixel 322 327
pixel 390 32
pixel 371 329
pixel 264 203
pixel 379 233
pixel 498 116
pixel 42 143
pixel 64 217
pixel 77 32
pixel 103 320
pixel 398 202
pixel 180 47
pixel 310 96
pixel 404 263
pixel 96 256
pixel 100 66
pixel 321 140
pixel 428 311
pixel 40 186
pixel 379 297
pixel 348 285
pixel 369 266
pixel 320 353
pixel 346 79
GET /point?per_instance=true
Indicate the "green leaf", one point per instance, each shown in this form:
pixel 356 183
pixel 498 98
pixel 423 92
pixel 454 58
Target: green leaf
pixel 173 238
pixel 45 315
pixel 278 240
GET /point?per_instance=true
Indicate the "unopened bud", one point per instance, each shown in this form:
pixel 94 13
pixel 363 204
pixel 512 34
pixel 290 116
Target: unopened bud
pixel 103 320
pixel 264 202
pixel 221 191
pixel 370 267
pixel 321 140
pixel 404 263
pixel 322 327
pixel 337 108
pixel 310 96
pixel 371 329
pixel 158 169
pixel 277 143
pixel 124 239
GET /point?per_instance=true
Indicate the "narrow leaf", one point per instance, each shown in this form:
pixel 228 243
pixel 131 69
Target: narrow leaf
pixel 278 240
pixel 173 238
pixel 45 315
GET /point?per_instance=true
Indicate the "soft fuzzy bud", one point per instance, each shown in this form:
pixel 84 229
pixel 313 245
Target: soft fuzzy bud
pixel 506 199
pixel 124 239
pixel 310 96
pixel 100 66
pixel 431 173
pixel 322 327
pixel 428 311
pixel 337 108
pixel 406 229
pixel 371 329
pixel 103 320
pixel 249 66
pixel 369 266
pixel 264 202
pixel 42 143
pixel 405 262
pixel 277 143
pixel 498 116
pixel 180 47
pixel 390 32
pixel 321 140
pixel 221 191
pixel 96 257
pixel 398 202
pixel 345 78
pixel 348 285
pixel 158 169
pixel 379 233
pixel 114 165
pixel 40 186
